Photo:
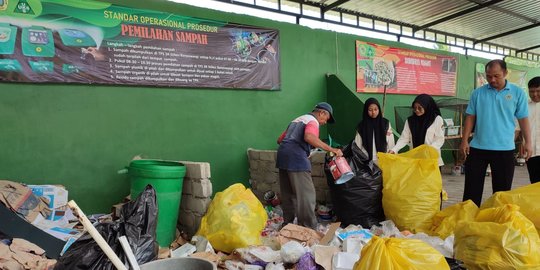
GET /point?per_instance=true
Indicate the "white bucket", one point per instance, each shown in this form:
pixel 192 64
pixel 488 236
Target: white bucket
pixel 185 263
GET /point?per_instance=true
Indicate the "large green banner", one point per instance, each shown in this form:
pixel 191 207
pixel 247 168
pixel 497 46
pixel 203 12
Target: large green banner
pixel 75 41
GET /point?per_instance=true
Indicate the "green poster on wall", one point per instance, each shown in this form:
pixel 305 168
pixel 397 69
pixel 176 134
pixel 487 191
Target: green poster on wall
pixel 94 42
pixel 517 77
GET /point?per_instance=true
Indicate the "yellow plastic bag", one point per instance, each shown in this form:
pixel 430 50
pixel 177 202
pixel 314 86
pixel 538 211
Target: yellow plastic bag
pixel 525 197
pixel 398 254
pixel 446 220
pixel 235 219
pixel 499 238
pixel 412 186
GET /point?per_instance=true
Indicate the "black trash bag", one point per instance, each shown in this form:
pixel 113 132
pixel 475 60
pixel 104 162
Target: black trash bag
pixel 137 222
pixel 359 200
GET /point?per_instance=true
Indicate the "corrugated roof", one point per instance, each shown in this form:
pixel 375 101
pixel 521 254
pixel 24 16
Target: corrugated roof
pixel 491 23
pixel 509 27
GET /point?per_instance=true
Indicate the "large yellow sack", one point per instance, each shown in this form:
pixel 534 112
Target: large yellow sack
pixel 499 238
pixel 412 186
pixel 398 254
pixel 445 222
pixel 525 197
pixel 235 219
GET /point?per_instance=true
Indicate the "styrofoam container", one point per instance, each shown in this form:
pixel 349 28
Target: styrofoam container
pixel 344 260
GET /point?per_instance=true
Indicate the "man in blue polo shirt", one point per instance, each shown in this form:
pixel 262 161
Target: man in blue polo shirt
pixel 491 112
pixel 298 195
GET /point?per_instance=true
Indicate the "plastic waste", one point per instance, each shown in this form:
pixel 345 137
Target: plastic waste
pixel 235 219
pixel 499 238
pixel 137 222
pixel 399 253
pixel 445 221
pixel 359 200
pixel 292 251
pixel 412 186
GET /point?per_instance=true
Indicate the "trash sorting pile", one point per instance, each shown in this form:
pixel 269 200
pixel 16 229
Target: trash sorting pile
pixel 20 254
pixel 35 225
pixel 401 226
pixel 36 236
pixel 137 221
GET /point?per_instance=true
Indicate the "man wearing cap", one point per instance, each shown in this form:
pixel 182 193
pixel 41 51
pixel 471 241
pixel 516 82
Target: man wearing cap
pixel 295 144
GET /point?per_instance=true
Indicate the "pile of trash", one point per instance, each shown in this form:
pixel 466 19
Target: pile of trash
pixel 401 227
pixel 39 214
pixel 496 236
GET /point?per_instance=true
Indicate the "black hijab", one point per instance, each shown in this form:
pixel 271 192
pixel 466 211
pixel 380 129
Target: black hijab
pixel 373 126
pixel 420 124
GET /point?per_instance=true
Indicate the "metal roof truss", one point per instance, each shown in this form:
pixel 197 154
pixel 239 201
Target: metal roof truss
pixel 419 32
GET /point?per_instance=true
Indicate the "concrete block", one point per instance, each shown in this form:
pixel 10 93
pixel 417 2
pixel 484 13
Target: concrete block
pixel 197 170
pixel 198 205
pixel 186 219
pixel 260 196
pixel 317 170
pixel 263 187
pixel 197 221
pixel 184 205
pixel 321 195
pixel 317 157
pixel 267 166
pixel 202 188
pixel 192 230
pixel 187 186
pixel 268 155
pixel 320 182
pixel 270 177
pixel 253 154
pixel 275 181
pixel 254 164
pixel 256 175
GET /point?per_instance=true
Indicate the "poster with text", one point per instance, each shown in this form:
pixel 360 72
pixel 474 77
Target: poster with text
pixel 89 42
pixel 517 77
pixel 403 71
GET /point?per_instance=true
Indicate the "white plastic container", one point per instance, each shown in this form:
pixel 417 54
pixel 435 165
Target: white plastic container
pixel 344 260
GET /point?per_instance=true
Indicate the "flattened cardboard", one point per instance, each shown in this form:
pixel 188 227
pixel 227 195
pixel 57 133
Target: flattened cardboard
pixel 16 227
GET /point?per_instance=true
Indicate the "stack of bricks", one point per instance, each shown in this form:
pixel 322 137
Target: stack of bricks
pixel 264 175
pixel 196 193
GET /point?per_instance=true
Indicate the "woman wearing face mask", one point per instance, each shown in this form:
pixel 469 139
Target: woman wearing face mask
pixel 424 126
pixel 373 133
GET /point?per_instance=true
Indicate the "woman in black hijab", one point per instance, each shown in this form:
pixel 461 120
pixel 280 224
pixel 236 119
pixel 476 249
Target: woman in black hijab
pixel 424 126
pixel 373 133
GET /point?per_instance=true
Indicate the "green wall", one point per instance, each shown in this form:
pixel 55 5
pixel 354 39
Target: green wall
pixel 81 135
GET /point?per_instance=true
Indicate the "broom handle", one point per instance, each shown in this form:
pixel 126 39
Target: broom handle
pixel 96 236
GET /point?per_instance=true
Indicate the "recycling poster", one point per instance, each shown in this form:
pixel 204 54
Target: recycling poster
pixel 90 42
pixel 403 71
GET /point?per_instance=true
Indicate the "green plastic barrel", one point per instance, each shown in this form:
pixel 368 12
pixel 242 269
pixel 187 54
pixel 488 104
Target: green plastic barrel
pixel 167 178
